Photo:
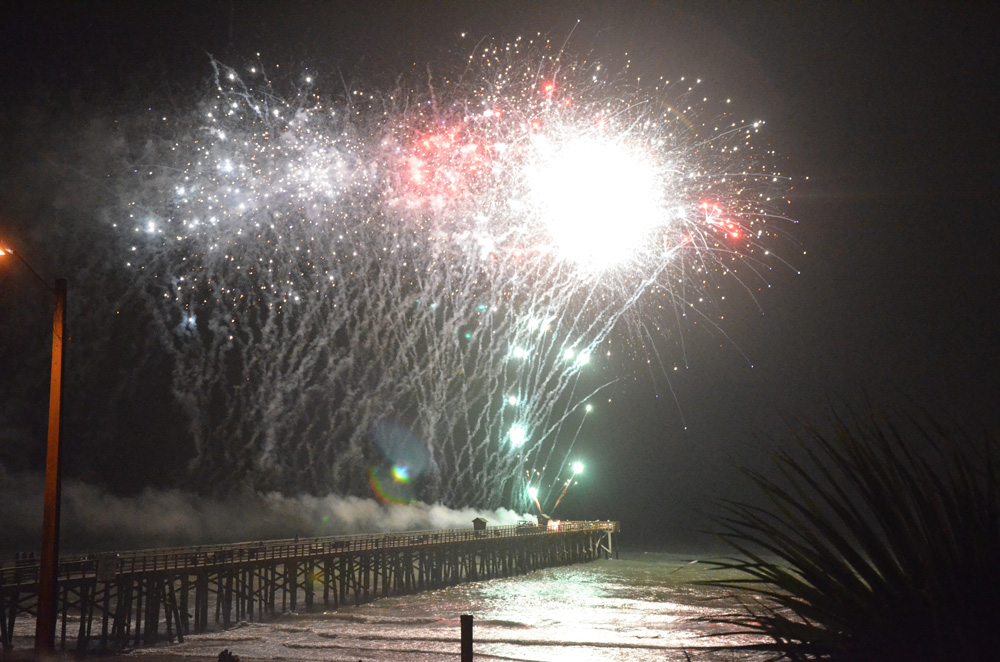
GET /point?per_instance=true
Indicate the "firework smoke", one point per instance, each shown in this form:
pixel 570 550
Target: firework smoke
pixel 94 519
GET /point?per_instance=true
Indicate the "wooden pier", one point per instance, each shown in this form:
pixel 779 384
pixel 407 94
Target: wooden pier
pixel 118 601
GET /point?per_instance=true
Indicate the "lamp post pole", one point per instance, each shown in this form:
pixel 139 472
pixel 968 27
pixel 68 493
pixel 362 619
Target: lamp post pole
pixel 48 570
pixel 45 624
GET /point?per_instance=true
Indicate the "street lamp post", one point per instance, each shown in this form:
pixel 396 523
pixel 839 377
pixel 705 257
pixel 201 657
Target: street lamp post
pixel 45 622
pixel 45 625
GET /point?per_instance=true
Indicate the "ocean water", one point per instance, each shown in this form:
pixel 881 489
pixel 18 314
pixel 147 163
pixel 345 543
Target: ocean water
pixel 639 607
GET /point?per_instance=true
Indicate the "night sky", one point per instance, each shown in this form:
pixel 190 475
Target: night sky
pixel 884 114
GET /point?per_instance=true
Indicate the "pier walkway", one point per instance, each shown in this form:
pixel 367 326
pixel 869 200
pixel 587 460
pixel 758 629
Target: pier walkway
pixel 122 600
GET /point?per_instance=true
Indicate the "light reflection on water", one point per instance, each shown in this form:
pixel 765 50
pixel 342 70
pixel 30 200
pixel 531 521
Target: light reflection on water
pixel 638 608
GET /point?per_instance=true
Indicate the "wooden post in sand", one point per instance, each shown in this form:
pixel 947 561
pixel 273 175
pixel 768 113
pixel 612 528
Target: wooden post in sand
pixel 466 637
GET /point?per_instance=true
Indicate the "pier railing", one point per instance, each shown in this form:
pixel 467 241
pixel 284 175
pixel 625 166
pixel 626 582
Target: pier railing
pixel 176 558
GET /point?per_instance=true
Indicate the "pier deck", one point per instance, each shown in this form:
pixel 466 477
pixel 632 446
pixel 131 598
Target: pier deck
pixel 122 600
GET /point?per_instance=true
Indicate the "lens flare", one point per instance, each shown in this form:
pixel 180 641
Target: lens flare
pixel 400 474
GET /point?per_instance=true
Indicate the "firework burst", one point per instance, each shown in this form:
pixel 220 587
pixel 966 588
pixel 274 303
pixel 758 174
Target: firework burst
pixel 401 288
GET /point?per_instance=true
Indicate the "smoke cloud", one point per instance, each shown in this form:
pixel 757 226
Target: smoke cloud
pixel 95 520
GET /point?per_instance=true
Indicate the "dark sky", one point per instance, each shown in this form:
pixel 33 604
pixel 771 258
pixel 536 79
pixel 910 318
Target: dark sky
pixel 889 109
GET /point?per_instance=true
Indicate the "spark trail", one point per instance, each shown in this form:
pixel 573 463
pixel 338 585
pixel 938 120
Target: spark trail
pixel 399 290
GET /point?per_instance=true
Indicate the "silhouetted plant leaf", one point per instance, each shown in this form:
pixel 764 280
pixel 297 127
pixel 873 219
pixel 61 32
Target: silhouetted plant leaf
pixel 880 542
